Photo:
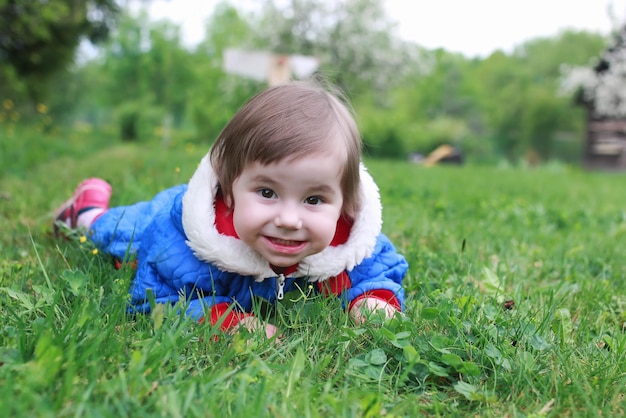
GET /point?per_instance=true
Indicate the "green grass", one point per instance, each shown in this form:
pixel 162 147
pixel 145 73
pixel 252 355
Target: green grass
pixel 552 241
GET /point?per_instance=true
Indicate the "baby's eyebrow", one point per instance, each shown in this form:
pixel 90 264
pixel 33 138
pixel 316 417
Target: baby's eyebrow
pixel 261 178
pixel 322 188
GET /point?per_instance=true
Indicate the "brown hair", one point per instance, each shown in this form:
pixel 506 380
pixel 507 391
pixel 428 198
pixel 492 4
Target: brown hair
pixel 289 121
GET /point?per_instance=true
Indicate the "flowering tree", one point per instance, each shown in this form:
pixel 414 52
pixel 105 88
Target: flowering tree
pixel 353 38
pixel 603 85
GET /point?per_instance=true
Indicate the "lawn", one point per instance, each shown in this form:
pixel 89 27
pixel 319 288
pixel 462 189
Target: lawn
pixel 516 302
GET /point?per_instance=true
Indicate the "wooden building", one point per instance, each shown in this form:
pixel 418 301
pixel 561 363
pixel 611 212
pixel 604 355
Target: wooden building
pixel 605 146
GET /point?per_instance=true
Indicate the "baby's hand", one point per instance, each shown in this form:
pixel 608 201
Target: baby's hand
pixel 365 307
pixel 253 324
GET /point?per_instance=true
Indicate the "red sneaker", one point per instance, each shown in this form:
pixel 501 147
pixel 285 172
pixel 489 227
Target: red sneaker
pixel 93 193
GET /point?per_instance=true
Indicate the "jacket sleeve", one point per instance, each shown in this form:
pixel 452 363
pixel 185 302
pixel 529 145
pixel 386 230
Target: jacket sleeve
pixel 380 275
pixel 169 271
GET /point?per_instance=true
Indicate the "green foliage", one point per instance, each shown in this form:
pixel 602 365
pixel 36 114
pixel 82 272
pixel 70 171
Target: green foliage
pixel 519 94
pixel 146 75
pixel 144 83
pixel 216 95
pixel 381 136
pixel 149 85
pixel 546 55
pixel 139 120
pixel 515 303
pixel 40 38
pixel 503 104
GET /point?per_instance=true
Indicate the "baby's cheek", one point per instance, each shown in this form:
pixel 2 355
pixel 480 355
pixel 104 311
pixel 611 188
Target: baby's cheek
pixel 242 223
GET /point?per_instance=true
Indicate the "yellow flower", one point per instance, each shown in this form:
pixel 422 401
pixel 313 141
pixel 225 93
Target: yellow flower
pixel 82 239
pixel 42 108
pixel 8 104
pixel 95 251
pixel 177 170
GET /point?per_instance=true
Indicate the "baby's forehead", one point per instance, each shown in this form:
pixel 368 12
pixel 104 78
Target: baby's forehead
pixel 311 146
pixel 336 155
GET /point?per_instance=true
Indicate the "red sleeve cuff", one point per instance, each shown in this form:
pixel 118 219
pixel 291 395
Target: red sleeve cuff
pixel 380 294
pixel 227 317
pixel 119 263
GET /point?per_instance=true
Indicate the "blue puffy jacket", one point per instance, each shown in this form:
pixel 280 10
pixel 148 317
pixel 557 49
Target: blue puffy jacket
pixel 181 255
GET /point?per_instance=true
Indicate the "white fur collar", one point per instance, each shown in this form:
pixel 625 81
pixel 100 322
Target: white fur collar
pixel 231 254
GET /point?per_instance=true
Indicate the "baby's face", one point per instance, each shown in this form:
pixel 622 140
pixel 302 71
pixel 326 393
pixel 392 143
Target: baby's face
pixel 288 210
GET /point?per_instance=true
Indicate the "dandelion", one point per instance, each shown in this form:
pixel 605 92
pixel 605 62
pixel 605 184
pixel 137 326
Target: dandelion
pixel 82 239
pixel 95 251
pixel 8 104
pixel 177 170
pixel 42 108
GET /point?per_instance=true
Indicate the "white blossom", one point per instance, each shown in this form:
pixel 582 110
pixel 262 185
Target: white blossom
pixel 604 90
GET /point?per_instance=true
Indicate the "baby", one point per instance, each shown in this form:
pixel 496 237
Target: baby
pixel 282 201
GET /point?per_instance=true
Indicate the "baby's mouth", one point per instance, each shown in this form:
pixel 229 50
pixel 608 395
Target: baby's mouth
pixel 285 242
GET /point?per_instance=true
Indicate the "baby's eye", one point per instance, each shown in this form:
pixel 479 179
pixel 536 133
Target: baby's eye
pixel 266 193
pixel 313 200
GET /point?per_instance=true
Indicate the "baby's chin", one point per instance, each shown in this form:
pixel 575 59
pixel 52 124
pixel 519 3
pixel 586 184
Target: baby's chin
pixel 282 263
pixel 285 261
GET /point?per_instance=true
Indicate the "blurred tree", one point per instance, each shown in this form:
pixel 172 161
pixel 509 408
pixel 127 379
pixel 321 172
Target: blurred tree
pixel 543 116
pixel 546 56
pixel 38 38
pixel 546 114
pixel 501 83
pixel 505 102
pixel 147 76
pixel 353 38
pixel 216 96
pixel 518 94
pixel 599 85
pixel 146 81
pixel 363 55
pixel 432 105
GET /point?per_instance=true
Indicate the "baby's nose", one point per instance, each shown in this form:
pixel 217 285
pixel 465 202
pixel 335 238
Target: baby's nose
pixel 288 217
